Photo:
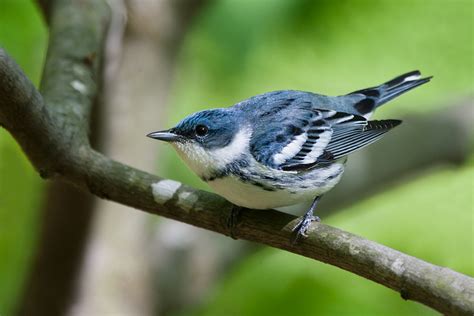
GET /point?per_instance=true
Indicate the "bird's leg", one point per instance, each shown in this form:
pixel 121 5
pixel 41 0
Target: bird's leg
pixel 233 220
pixel 302 227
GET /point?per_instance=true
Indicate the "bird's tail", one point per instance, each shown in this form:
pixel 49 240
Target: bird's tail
pixel 393 88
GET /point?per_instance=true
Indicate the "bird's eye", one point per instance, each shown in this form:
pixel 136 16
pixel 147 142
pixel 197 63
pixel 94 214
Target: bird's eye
pixel 201 130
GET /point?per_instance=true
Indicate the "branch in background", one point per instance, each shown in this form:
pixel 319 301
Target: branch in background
pixel 151 34
pixel 67 211
pixel 48 127
pixel 50 284
pixel 115 229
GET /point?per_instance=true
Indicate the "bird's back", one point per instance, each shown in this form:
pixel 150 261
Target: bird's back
pixel 361 102
pixel 295 130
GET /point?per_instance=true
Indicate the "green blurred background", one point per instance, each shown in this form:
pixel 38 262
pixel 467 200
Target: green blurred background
pixel 238 48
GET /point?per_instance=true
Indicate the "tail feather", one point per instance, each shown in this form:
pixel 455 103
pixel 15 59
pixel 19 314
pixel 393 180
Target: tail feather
pixel 376 96
pixel 400 85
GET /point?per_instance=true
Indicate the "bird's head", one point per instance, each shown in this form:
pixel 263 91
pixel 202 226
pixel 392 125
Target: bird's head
pixel 207 140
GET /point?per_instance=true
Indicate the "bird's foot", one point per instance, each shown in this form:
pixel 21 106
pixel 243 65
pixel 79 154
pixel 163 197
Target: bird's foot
pixel 301 228
pixel 233 220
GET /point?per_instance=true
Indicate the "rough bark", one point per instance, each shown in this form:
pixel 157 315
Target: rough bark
pixel 66 213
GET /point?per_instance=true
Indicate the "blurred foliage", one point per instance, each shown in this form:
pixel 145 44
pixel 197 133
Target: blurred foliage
pixel 23 35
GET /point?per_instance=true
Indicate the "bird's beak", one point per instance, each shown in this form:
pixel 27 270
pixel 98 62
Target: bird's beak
pixel 167 135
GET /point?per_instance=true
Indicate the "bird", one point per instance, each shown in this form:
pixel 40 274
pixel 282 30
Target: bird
pixel 283 147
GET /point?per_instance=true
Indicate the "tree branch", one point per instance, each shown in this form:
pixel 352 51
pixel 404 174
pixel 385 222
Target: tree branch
pixel 53 133
pixel 53 274
pixel 151 33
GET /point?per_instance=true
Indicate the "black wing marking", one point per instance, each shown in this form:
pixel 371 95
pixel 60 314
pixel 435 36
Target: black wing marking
pixel 319 136
pixel 346 138
pixel 291 133
pixel 284 116
pixel 307 145
pixel 345 142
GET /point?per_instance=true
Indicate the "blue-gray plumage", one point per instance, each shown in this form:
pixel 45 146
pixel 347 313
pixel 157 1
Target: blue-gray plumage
pixel 283 147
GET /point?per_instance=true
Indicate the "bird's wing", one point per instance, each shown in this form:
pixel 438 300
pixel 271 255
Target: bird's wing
pixel 283 122
pixel 345 139
pixel 301 137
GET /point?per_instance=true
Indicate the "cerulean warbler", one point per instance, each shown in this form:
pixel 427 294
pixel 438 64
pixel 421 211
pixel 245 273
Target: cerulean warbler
pixel 283 147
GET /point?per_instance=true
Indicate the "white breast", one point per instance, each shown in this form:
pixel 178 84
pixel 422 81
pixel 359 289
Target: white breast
pixel 248 195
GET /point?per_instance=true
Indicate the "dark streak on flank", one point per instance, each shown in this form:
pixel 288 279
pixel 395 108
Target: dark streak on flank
pixel 263 186
pixel 235 168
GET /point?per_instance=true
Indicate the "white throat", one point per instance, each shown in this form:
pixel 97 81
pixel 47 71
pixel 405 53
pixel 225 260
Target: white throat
pixel 204 161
